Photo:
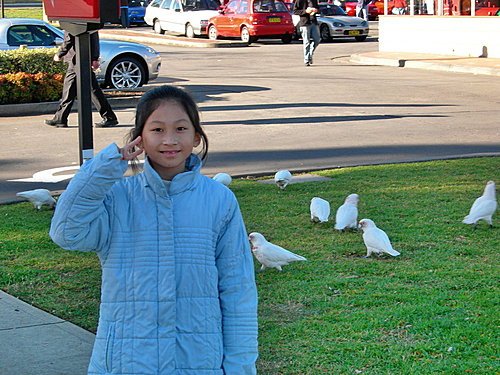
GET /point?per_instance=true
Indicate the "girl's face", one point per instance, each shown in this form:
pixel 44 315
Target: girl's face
pixel 168 138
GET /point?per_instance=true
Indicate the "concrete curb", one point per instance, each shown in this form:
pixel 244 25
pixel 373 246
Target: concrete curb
pixel 33 109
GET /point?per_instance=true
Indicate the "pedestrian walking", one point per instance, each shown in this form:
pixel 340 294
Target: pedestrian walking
pixel 362 9
pixel 309 28
pixel 67 53
pixel 178 291
pixel 124 20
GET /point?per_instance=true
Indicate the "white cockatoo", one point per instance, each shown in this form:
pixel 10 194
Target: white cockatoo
pixel 347 214
pixel 223 178
pixel 38 197
pixel 320 210
pixel 483 207
pixel 282 178
pixel 376 240
pixel 270 255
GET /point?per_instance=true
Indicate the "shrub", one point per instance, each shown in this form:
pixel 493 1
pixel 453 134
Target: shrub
pixel 30 61
pixel 30 76
pixel 30 88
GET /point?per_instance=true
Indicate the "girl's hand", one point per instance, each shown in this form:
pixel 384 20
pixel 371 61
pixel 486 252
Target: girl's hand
pixel 128 152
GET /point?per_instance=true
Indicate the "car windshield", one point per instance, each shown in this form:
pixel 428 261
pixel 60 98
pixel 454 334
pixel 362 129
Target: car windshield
pixel 267 6
pixel 200 4
pixel 331 10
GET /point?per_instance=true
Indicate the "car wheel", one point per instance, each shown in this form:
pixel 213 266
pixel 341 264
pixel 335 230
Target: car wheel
pixel 125 73
pixel 287 38
pixel 245 35
pixel 189 31
pixel 157 27
pixel 212 32
pixel 361 38
pixel 325 33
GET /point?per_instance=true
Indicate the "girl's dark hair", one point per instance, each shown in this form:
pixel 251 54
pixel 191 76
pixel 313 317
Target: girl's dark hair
pixel 152 99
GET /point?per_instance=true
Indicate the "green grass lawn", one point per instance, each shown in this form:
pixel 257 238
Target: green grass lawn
pixel 433 310
pixel 24 13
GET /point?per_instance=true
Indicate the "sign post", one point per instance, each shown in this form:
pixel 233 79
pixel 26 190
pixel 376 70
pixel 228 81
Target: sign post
pixel 80 18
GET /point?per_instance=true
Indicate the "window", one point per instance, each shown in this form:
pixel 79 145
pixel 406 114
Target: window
pixel 155 3
pixel 231 7
pixel 267 6
pixel 30 35
pixel 243 7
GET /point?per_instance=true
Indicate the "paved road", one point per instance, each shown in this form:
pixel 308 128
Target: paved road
pixel 263 110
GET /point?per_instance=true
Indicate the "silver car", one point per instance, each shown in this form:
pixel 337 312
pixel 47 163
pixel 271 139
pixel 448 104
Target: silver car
pixel 335 23
pixel 124 65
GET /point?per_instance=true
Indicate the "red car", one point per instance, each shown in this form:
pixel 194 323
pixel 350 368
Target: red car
pixel 251 20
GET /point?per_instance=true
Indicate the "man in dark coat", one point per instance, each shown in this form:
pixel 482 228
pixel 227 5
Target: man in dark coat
pixel 309 28
pixel 67 52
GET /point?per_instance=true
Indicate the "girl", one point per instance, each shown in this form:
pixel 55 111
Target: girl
pixel 178 294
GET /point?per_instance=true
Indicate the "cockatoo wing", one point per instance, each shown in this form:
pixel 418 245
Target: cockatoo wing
pixel 346 216
pixel 223 178
pixel 481 208
pixel 320 210
pixel 38 197
pixel 377 239
pixel 275 253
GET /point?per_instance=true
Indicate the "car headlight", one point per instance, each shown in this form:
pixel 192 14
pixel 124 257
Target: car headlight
pixel 151 51
pixel 364 24
pixel 338 24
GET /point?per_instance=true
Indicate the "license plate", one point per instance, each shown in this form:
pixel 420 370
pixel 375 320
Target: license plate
pixel 274 19
pixel 354 32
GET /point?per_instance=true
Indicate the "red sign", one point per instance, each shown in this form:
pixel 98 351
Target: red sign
pixel 99 11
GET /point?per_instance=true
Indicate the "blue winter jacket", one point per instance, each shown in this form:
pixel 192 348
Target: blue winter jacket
pixel 178 293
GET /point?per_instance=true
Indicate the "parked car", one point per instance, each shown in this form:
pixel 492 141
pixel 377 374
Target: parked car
pixel 136 11
pixel 123 64
pixel 335 23
pixel 251 20
pixel 184 17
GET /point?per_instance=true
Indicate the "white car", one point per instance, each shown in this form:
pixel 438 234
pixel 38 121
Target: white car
pixel 335 23
pixel 123 64
pixel 181 17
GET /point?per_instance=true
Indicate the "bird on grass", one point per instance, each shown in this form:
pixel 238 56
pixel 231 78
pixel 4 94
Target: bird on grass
pixel 320 210
pixel 347 214
pixel 376 240
pixel 282 178
pixel 38 197
pixel 483 207
pixel 223 178
pixel 270 255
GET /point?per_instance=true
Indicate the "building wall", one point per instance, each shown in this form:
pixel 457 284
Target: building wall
pixel 448 35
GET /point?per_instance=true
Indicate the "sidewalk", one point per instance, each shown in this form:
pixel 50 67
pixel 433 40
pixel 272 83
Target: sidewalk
pixel 455 64
pixel 33 342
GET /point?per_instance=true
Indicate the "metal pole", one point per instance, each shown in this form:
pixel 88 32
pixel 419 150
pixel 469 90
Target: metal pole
pixel 83 89
pixel 2 6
